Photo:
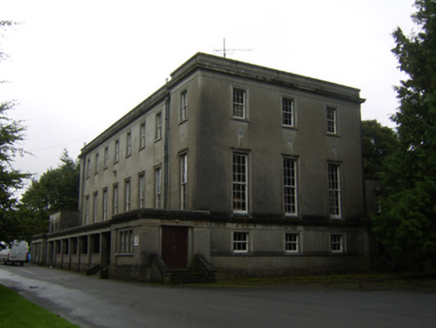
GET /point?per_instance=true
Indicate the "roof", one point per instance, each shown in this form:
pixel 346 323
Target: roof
pixel 221 65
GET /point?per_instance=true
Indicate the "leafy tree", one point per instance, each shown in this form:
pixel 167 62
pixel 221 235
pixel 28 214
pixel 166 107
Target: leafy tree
pixel 11 133
pixel 378 142
pixel 407 225
pixel 56 190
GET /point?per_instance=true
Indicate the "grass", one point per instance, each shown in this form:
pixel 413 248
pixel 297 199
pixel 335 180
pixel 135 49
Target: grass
pixel 17 312
pixel 402 281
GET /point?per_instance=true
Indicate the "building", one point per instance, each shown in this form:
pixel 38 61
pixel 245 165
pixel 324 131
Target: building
pixel 230 166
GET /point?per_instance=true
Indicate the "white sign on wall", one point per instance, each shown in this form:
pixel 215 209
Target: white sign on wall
pixel 136 241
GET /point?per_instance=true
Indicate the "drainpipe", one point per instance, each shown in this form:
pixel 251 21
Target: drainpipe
pixel 166 136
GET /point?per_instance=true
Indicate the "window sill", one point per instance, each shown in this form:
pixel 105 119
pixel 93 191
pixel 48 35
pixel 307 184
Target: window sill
pixel 240 119
pixel 124 255
pixel 333 135
pixel 241 215
pixel 183 121
pixel 289 127
pixel 292 217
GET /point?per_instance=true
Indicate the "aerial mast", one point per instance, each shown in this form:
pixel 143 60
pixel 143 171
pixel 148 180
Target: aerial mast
pixel 224 50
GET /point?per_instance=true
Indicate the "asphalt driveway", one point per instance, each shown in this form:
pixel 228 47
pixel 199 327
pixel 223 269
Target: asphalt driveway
pixel 92 302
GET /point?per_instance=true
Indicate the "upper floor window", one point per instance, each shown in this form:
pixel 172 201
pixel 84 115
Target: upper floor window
pixel 331 120
pixel 106 157
pixel 141 189
pixel 290 186
pixel 88 167
pixel 157 188
pixel 117 151
pixel 95 207
pixel 334 190
pixel 96 164
pixel 287 112
pixel 104 204
pixel 240 182
pixel 239 103
pixel 115 199
pixel 183 180
pixel 128 144
pixel 127 195
pixel 142 136
pixel 86 209
pixel 184 106
pixel 158 126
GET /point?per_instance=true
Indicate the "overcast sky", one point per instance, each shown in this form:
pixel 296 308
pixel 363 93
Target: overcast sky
pixel 76 67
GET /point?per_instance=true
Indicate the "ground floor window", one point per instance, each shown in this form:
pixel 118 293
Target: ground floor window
pixel 337 243
pixel 240 242
pixel 125 241
pixel 291 242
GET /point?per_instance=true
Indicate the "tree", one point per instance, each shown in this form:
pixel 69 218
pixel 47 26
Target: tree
pixel 407 225
pixel 56 190
pixel 378 142
pixel 11 133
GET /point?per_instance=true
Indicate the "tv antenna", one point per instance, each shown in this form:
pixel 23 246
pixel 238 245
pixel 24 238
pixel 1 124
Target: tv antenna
pixel 224 50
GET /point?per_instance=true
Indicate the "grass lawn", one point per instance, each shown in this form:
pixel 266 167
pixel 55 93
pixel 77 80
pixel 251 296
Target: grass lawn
pixel 17 312
pixel 402 281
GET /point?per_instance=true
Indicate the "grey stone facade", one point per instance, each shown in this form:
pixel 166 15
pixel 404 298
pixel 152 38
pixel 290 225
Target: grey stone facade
pixel 256 170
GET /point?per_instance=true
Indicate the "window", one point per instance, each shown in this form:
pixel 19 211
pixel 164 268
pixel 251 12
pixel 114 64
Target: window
pixel 290 186
pixel 331 120
pixel 240 182
pixel 125 238
pixel 95 207
pixel 96 164
pixel 106 157
pixel 158 126
pixel 336 243
pixel 128 144
pixel 88 168
pixel 115 200
pixel 157 188
pixel 117 151
pixel 291 242
pixel 287 112
pixel 240 242
pixel 86 209
pixel 183 180
pixel 334 191
pixel 184 106
pixel 142 136
pixel 239 103
pixel 141 190
pixel 127 195
pixel 104 204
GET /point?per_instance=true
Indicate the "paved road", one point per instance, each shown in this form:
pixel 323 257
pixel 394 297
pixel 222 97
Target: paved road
pixel 91 302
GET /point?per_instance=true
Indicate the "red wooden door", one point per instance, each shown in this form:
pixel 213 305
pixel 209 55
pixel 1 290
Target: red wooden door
pixel 175 247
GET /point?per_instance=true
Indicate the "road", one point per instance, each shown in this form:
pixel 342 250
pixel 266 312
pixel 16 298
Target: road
pixel 92 302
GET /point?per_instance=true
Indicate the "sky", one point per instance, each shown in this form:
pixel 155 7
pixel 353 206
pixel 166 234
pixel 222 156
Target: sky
pixel 76 67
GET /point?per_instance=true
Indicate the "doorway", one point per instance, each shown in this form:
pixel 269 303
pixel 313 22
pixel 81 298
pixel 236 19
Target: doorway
pixel 175 247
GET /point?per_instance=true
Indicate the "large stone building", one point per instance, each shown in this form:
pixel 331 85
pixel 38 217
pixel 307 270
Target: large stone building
pixel 235 167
